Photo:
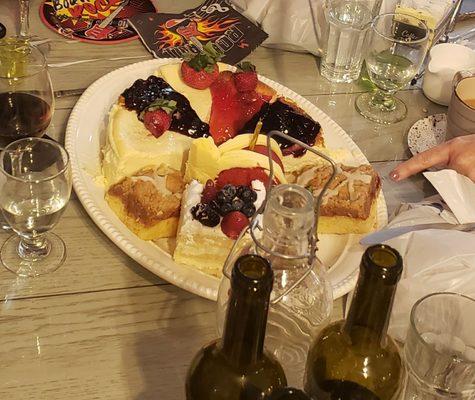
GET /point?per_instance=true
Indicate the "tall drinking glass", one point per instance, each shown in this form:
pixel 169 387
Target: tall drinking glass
pixel 440 348
pixel 35 185
pixel 347 22
pixel 397 47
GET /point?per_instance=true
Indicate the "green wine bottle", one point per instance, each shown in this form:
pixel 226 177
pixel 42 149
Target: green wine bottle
pixel 236 366
pixel 288 393
pixel 356 359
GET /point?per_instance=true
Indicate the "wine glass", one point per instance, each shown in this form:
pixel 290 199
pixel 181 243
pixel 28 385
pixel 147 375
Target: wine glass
pixel 24 18
pixel 26 93
pixel 397 46
pixel 35 185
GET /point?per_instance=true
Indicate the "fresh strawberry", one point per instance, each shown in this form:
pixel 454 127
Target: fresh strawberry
pixel 251 103
pixel 246 77
pixel 260 148
pixel 209 192
pixel 200 70
pixel 233 223
pixel 157 117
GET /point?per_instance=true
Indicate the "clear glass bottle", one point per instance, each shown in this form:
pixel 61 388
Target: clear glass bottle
pixel 355 358
pixel 301 301
pixel 237 367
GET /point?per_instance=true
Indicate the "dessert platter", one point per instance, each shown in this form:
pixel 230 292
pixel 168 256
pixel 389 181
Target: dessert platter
pixel 169 159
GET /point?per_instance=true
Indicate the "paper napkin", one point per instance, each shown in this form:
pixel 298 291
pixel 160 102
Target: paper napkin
pixel 458 192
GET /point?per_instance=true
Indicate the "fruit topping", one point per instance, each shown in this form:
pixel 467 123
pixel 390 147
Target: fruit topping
pixel 288 119
pixel 230 109
pixel 209 192
pixel 261 149
pixel 205 214
pixel 246 77
pixel 157 116
pixel 200 70
pixel 233 224
pixel 184 120
pixel 228 200
pixel 241 176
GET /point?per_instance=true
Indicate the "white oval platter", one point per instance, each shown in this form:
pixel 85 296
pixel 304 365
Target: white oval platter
pixel 85 136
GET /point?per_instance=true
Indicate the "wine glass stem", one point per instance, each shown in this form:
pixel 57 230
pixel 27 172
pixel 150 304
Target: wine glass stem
pixel 383 100
pixel 33 248
pixel 24 18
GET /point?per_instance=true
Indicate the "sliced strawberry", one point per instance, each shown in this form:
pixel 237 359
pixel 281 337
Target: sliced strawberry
pixel 200 70
pixel 230 110
pixel 233 223
pixel 157 116
pixel 260 148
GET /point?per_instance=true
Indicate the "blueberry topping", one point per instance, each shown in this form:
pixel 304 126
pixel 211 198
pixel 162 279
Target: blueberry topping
pixel 225 208
pixel 229 191
pixel 248 210
pixel 237 204
pixel 205 215
pixel 144 92
pixel 246 194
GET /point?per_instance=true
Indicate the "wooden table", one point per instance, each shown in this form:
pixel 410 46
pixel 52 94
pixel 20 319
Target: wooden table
pixel 103 327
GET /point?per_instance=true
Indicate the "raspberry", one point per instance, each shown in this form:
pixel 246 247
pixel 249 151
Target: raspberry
pixel 209 192
pixel 233 224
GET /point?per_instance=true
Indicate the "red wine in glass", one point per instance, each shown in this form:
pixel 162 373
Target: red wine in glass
pixel 22 115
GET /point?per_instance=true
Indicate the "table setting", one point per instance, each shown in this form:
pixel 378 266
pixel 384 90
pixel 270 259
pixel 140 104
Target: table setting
pixel 234 176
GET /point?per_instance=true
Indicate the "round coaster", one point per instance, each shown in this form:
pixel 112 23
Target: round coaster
pixel 427 133
pixel 93 21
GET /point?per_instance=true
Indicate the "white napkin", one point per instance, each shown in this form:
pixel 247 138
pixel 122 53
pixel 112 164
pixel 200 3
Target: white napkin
pixel 434 260
pixel 458 192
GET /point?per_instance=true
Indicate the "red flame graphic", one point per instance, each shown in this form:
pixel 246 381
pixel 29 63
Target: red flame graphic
pixel 204 29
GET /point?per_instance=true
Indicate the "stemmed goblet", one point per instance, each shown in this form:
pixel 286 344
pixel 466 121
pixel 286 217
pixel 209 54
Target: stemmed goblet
pixel 397 46
pixel 35 185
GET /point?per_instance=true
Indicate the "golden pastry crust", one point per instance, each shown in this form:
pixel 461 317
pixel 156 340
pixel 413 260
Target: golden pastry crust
pixel 352 192
pixel 149 203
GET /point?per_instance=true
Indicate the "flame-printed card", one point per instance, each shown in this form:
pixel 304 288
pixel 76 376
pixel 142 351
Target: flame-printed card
pixel 168 35
pixel 93 21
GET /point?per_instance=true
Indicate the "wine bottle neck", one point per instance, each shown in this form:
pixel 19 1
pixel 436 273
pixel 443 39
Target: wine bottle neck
pixel 244 329
pixel 370 310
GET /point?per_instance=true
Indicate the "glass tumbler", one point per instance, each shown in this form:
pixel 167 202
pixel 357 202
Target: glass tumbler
pixel 440 348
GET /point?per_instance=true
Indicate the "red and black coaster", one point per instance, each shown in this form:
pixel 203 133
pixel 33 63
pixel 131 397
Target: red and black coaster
pixel 94 21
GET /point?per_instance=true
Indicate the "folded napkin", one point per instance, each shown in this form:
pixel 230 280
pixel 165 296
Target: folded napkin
pixel 458 192
pixel 435 260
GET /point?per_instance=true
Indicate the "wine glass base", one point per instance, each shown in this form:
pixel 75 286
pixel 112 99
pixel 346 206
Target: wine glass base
pixel 12 261
pixel 365 106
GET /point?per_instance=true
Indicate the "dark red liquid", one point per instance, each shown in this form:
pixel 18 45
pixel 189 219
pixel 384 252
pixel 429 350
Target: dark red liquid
pixel 22 115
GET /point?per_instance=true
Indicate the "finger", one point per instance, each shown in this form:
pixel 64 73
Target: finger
pixel 420 162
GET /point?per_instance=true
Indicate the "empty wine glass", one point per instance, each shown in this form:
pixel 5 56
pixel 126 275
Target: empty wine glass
pixel 35 185
pixel 397 47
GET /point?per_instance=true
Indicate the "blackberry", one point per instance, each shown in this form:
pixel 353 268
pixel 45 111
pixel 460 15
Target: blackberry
pixel 205 215
pixel 237 204
pixel 248 210
pixel 247 194
pixel 225 208
pixel 222 198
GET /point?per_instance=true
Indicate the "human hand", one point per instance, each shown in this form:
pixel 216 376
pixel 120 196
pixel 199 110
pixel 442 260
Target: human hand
pixel 457 154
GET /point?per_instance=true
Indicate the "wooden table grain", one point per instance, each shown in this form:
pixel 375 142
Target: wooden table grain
pixel 103 327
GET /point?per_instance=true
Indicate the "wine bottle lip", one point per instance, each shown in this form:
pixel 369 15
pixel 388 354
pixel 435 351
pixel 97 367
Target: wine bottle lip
pixel 384 260
pixel 253 271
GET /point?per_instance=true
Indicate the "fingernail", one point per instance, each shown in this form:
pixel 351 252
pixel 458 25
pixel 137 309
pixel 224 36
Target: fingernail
pixel 394 175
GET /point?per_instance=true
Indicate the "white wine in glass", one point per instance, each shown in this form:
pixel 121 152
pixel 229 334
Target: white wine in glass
pixel 35 185
pixel 397 46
